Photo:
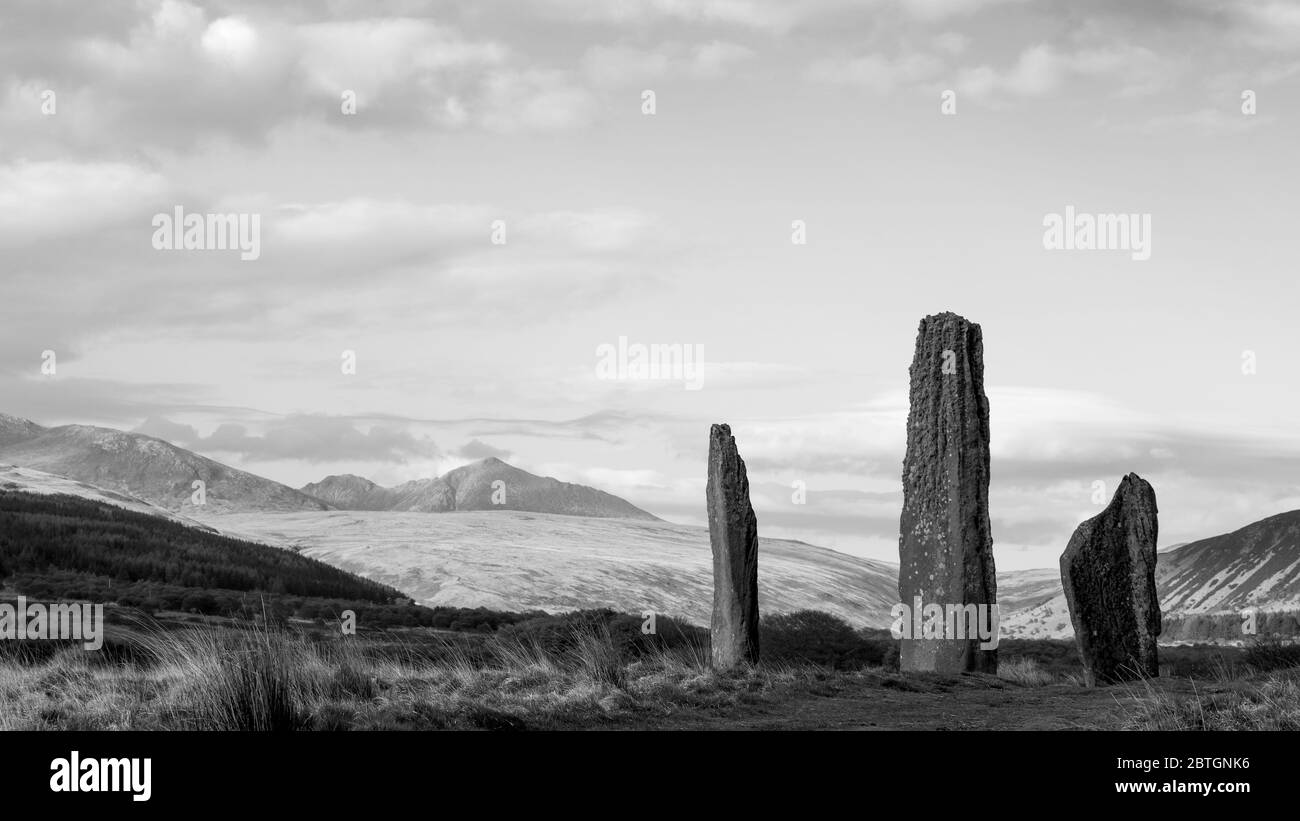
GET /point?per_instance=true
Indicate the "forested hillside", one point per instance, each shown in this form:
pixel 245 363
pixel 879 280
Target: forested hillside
pixel 63 547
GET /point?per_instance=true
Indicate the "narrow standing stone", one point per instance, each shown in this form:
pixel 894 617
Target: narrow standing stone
pixel 945 545
pixel 733 532
pixel 1109 574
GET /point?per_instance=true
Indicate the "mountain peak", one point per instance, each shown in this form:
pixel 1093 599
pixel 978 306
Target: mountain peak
pixel 350 478
pixel 16 429
pixel 7 421
pixel 346 490
pixel 490 464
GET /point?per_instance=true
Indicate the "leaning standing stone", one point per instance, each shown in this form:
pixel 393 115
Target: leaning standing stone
pixel 733 532
pixel 1109 574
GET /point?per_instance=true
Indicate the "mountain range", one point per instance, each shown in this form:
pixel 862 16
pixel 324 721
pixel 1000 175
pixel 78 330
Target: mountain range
pixel 162 474
pixel 489 484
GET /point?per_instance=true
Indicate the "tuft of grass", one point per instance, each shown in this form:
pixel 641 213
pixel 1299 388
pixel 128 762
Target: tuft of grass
pixel 261 680
pixel 595 655
pixel 1025 672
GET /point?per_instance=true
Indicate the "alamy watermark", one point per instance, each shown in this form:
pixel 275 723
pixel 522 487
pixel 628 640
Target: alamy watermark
pixel 77 774
pixel 675 362
pixel 946 621
pixel 180 231
pixel 1098 232
pixel 54 622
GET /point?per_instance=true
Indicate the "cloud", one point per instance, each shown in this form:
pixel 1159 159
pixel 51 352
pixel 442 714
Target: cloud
pixel 377 56
pixel 1042 437
pixel 716 56
pixel 1271 24
pixel 931 10
pixel 951 42
pixel 772 17
pixel 602 426
pixel 71 398
pixel 476 449
pixel 533 100
pixel 378 234
pixel 175 74
pixel 762 15
pixel 231 41
pixel 630 65
pixel 44 200
pixel 1044 68
pixel 341 235
pixel 306 438
pixel 423 262
pixel 876 72
pixel 1203 120
pixel 174 432
pixel 863 442
pixel 597 231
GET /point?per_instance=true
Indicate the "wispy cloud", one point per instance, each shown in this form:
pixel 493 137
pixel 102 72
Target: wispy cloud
pixel 314 439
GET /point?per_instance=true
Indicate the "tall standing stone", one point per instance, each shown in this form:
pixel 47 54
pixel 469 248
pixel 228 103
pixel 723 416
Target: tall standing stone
pixel 733 532
pixel 945 545
pixel 1109 574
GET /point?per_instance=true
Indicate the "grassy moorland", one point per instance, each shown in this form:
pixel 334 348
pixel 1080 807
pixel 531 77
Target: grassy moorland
pixel 594 670
pixel 213 633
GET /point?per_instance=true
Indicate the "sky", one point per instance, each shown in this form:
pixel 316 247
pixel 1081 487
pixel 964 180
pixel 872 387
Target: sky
pixel 920 144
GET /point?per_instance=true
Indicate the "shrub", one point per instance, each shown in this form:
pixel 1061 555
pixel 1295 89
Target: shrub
pixel 1266 654
pixel 199 602
pixel 811 636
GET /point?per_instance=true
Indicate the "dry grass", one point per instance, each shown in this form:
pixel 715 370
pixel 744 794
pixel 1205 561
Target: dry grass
pixel 1269 701
pixel 270 680
pixel 1025 672
pixel 280 680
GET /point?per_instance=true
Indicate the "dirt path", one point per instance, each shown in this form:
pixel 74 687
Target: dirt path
pixel 921 703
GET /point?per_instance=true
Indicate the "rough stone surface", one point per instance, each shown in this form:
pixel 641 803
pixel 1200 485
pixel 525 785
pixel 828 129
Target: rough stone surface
pixel 733 532
pixel 945 545
pixel 1109 574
